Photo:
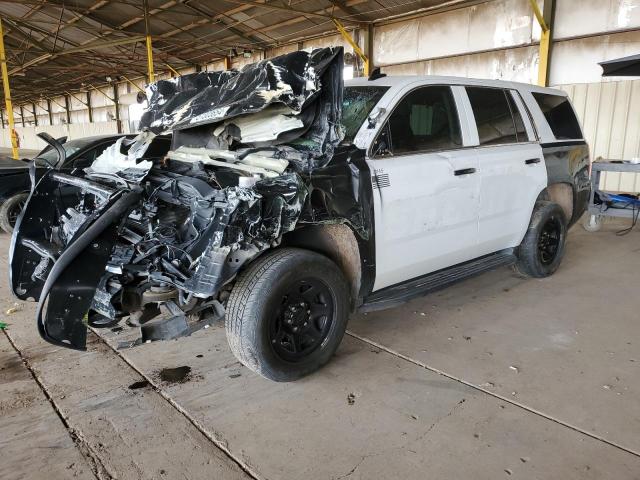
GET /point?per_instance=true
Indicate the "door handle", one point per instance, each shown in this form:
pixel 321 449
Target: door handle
pixel 464 171
pixel 532 161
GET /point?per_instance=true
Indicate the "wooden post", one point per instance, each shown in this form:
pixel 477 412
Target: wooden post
pixel 50 112
pixel 117 104
pixel 67 109
pixel 7 97
pixel 89 107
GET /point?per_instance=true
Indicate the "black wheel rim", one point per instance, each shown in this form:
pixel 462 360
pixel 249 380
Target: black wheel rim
pixel 549 240
pixel 15 212
pixel 303 319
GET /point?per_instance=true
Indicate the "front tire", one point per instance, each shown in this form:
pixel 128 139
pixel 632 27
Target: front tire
pixel 10 210
pixel 542 249
pixel 287 314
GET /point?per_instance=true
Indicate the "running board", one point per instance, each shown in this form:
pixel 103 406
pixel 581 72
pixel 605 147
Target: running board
pixel 398 294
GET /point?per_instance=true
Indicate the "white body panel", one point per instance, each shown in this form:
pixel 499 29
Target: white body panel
pixel 428 219
pixel 508 189
pixel 511 178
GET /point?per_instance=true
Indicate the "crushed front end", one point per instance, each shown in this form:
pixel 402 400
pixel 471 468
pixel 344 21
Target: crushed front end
pixel 157 238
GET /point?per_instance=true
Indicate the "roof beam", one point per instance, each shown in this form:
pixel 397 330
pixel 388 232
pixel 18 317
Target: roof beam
pixel 272 6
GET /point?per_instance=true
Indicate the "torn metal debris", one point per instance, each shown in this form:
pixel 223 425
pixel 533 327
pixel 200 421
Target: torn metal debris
pixel 157 237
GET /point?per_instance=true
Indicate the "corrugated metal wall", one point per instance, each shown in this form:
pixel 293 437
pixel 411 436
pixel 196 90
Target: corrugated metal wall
pixel 610 115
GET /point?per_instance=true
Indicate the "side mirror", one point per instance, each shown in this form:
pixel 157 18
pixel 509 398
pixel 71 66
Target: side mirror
pixel 381 149
pixel 377 115
pixel 382 146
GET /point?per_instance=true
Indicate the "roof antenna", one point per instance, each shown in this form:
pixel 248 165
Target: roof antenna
pixel 376 74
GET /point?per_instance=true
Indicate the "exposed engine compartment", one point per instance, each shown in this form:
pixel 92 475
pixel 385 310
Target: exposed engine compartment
pixel 158 239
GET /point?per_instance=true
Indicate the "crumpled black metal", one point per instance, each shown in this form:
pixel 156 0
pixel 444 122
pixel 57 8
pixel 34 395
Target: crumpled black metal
pixel 307 82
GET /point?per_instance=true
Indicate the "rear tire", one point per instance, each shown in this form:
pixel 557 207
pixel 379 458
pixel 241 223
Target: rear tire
pixel 10 210
pixel 287 314
pixel 542 249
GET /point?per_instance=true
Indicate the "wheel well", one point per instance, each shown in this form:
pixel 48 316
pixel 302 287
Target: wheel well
pixel 335 241
pixel 562 194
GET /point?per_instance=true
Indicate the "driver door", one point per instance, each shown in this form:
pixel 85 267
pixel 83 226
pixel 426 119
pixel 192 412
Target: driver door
pixel 426 187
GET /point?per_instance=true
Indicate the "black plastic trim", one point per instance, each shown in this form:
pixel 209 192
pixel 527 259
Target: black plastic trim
pixel 403 292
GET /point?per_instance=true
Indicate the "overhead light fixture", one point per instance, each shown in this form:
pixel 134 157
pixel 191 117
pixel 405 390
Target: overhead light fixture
pixel 247 53
pixel 108 79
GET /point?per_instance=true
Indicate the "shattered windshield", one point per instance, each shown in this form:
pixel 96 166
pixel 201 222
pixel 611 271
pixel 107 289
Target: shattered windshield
pixel 357 104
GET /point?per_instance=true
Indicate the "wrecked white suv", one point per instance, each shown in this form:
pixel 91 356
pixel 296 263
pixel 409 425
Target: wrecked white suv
pixel 288 201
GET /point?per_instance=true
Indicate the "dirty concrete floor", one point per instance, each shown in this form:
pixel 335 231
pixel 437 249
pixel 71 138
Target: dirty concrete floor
pixel 496 377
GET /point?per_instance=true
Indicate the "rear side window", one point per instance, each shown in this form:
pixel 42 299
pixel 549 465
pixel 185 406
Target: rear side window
pixel 498 120
pixel 560 116
pixel 425 120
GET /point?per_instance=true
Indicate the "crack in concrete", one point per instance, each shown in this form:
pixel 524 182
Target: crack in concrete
pixel 93 459
pixel 522 406
pixel 357 465
pixel 214 438
pixel 433 425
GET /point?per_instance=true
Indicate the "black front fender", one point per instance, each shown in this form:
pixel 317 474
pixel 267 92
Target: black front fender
pixel 66 293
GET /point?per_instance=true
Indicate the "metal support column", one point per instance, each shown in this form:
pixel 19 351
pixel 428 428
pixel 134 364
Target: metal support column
pixel 50 112
pixel 369 47
pixel 545 20
pixel 89 109
pixel 176 73
pixel 147 31
pixel 356 48
pixel 7 96
pixel 35 114
pixel 117 104
pixel 132 84
pixel 22 116
pixel 67 109
pixel 1 118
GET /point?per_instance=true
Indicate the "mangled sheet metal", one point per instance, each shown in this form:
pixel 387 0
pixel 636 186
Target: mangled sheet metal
pixel 157 238
pixel 294 99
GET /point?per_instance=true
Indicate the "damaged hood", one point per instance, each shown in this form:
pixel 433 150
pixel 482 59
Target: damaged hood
pixel 294 98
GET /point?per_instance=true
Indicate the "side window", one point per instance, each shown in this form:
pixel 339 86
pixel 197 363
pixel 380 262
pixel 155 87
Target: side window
pixel 424 120
pixel 495 122
pixel 560 116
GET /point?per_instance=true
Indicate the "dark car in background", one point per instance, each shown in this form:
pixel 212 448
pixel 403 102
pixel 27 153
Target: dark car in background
pixel 14 174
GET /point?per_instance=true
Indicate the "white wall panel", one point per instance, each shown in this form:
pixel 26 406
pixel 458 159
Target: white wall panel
pixel 576 61
pixel 274 52
pixel 332 40
pixel 585 17
pixel 610 115
pixel 29 140
pixel 487 26
pixel 90 129
pixel 519 65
